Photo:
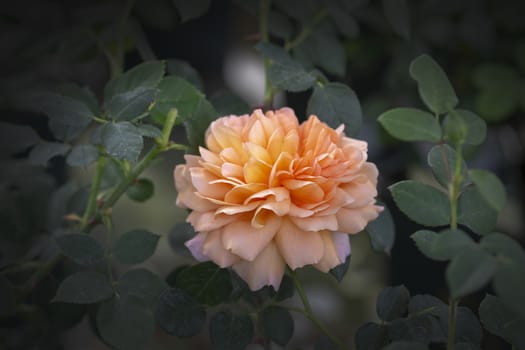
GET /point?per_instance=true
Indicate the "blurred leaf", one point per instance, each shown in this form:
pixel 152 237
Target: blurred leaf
pixel 68 117
pixel 475 212
pixel 227 103
pixel 510 285
pixel 324 343
pixel 86 287
pixel 206 282
pixel 410 124
pixel 112 174
pixel 178 236
pixel 16 138
pixel 345 23
pixel 145 75
pixel 43 152
pixel 502 321
pixel 468 328
pixel 475 126
pixel 392 303
pixel 454 128
pixel 133 247
pixel 148 130
pixel 191 9
pixel 417 328
pixel 493 76
pixel 443 246
pixel 434 87
pixel 125 323
pixel 397 14
pixel 328 52
pixel 503 245
pixel 82 155
pixel 81 247
pixel 442 161
pixel 197 124
pixel 381 232
pixel 141 283
pixel 141 190
pixel 131 104
pixel 422 203
pixel 277 324
pixel 496 105
pixel 175 92
pixel 284 72
pixel 286 289
pixel 179 314
pixel 8 298
pixel 490 187
pixel 469 271
pixel 279 25
pixel 184 70
pixel 230 331
pixel 335 104
pixel 83 94
pixel 426 303
pixel 371 336
pixel 405 345
pixel 520 55
pixel 122 140
pixel 340 270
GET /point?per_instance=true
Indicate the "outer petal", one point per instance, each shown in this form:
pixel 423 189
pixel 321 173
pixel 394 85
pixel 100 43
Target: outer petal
pixel 266 269
pixel 246 241
pixel 213 249
pixel 208 220
pixel 298 247
pixel 195 246
pixel 355 220
pixel 336 249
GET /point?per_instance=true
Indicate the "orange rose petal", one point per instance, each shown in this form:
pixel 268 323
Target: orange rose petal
pixel 298 247
pixel 212 247
pixel 330 257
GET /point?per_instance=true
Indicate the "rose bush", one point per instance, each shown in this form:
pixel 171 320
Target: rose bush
pixel 267 192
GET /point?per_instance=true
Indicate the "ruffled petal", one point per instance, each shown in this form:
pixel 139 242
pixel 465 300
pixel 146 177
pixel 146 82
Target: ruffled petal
pixel 266 269
pixel 195 246
pixel 298 247
pixel 355 220
pixel 213 249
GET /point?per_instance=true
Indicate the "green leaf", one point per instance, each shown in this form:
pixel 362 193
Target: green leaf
pixel 82 94
pixel 179 314
pixel 381 232
pixel 145 75
pixel 336 104
pixel 340 270
pixel 184 70
pixel 345 23
pixel 454 128
pixel 422 203
pixel 81 247
pixel 397 14
pixel 476 127
pixel 43 152
pixel 82 155
pixel 230 331
pixel 226 103
pixel 442 161
pixel 392 303
pixel 443 246
pixel 494 76
pixel 141 283
pixel 329 53
pixel 197 124
pixel 148 130
pixel 284 72
pixel 141 190
pixel 86 287
pixel 490 187
pixel 125 323
pixel 16 138
pixel 112 174
pixel 434 87
pixel 502 245
pixel 122 140
pixel 469 271
pixel 405 345
pixel 277 324
pixel 475 212
pixel 178 236
pixel 371 336
pixel 468 328
pixel 206 282
pixel 286 289
pixel 191 9
pixel 502 321
pixel 133 247
pixel 410 124
pixel 510 285
pixel 496 105
pixel 68 117
pixel 175 92
pixel 127 106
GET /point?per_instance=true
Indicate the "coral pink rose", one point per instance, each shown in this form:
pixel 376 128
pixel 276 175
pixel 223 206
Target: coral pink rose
pixel 268 192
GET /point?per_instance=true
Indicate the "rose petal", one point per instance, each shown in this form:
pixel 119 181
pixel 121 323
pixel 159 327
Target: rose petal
pixel 213 249
pixel 316 223
pixel 298 247
pixel 334 249
pixel 201 180
pixel 355 220
pixel 266 269
pixel 246 241
pixel 195 246
pixel 208 220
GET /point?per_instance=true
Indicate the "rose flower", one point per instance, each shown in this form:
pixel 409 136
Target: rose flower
pixel 268 192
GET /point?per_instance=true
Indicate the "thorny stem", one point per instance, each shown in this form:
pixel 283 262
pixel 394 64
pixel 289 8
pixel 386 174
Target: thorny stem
pixel 309 313
pixel 92 200
pixel 108 222
pixel 263 29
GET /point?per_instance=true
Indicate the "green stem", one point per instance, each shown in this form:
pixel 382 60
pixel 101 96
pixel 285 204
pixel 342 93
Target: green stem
pixel 309 313
pixel 306 31
pixel 452 324
pixel 454 190
pixel 108 222
pixel 264 9
pixel 92 200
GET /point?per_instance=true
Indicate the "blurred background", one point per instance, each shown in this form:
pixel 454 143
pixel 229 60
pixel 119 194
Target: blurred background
pixel 43 43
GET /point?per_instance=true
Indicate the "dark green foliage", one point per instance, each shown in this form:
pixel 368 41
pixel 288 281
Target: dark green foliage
pixel 86 287
pixel 277 324
pixel 141 190
pixel 179 314
pixel 135 246
pixel 381 231
pixel 229 331
pixel 81 247
pixel 392 303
